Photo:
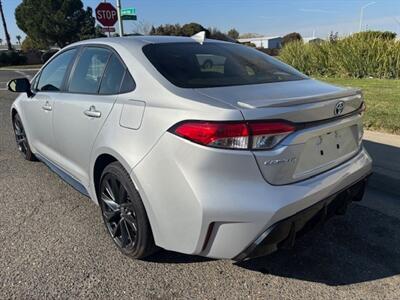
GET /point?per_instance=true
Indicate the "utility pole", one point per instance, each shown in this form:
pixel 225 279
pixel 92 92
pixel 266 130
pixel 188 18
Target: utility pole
pixel 9 46
pixel 362 13
pixel 120 25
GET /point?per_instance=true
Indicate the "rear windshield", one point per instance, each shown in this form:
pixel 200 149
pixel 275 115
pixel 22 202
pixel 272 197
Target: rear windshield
pixel 192 65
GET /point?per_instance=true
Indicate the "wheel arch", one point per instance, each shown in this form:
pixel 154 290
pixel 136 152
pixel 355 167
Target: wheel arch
pixel 102 160
pixel 105 156
pixel 13 113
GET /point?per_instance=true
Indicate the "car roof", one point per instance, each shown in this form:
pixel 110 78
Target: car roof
pixel 141 40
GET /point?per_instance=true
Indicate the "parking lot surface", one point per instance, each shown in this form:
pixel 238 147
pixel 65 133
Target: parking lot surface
pixel 53 244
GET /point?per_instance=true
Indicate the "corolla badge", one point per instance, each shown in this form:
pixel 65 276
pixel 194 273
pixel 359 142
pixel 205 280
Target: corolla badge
pixel 274 162
pixel 339 107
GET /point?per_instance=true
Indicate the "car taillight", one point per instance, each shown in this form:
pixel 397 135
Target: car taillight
pixel 266 135
pixel 234 135
pixel 224 135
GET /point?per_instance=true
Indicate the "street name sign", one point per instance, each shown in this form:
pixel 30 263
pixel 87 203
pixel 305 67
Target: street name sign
pixel 128 14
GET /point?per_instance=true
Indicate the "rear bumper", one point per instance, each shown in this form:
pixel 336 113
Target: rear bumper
pixel 283 234
pixel 216 203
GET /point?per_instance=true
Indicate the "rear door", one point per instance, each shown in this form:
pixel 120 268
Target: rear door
pixel 80 113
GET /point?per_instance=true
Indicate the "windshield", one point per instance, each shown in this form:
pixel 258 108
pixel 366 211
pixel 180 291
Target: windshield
pixel 192 65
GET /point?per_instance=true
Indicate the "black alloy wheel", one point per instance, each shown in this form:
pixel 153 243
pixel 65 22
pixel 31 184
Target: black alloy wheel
pixel 21 139
pixel 118 212
pixel 124 214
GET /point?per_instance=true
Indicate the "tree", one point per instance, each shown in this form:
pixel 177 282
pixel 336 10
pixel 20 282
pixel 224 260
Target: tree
pixel 291 37
pixel 233 33
pixel 59 22
pixel 18 37
pixel 98 32
pixel 9 46
pixel 28 44
pixel 216 34
pixel 191 29
pixel 88 22
pixel 249 35
pixel 1 41
pixel 142 28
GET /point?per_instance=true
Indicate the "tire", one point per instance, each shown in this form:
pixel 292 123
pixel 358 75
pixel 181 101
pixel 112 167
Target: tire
pixel 22 140
pixel 124 214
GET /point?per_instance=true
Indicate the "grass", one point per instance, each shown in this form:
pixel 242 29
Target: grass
pixel 382 97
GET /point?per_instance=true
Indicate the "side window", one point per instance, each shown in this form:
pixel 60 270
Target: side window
pixel 89 70
pixel 111 82
pixel 52 75
pixel 128 84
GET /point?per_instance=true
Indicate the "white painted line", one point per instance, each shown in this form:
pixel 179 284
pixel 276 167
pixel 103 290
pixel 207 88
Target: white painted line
pixel 23 74
pixel 15 70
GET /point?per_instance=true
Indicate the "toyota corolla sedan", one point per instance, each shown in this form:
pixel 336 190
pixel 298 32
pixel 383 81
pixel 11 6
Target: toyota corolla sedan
pixel 231 160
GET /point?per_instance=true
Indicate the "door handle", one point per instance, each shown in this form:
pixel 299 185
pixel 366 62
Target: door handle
pixel 92 112
pixel 47 106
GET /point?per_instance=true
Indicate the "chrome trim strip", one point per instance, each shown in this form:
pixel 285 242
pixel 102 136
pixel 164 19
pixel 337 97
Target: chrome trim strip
pixel 64 175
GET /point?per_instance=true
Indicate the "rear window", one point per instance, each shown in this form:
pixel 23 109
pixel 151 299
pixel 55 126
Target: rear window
pixel 192 65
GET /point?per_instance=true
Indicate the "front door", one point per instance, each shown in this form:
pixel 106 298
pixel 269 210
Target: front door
pixel 39 108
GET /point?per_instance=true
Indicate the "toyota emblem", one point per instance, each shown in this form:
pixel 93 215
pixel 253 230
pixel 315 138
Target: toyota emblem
pixel 339 107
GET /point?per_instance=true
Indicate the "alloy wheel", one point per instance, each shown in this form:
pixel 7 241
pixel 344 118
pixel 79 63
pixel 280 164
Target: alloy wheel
pixel 118 212
pixel 20 136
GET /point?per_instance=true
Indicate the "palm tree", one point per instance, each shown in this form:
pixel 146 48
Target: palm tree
pixel 5 27
pixel 18 37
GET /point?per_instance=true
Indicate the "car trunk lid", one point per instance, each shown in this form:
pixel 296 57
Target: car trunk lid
pixel 329 126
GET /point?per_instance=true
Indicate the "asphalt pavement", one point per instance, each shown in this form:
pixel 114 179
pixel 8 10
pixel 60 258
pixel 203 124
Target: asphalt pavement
pixel 54 245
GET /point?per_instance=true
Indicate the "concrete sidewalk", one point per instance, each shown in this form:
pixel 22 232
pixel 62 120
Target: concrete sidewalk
pixel 385 151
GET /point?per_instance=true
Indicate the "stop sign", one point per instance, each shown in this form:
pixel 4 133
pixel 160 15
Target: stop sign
pixel 106 14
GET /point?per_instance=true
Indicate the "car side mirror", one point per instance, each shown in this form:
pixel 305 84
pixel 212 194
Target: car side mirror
pixel 20 85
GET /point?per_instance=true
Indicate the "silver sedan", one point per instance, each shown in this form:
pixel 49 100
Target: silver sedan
pixel 231 159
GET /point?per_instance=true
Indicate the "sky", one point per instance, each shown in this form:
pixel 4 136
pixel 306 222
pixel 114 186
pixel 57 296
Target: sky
pixel 266 17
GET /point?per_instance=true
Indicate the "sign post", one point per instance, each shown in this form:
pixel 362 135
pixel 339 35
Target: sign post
pixel 121 28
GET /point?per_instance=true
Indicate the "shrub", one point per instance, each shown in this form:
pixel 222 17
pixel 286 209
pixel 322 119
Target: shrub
pixel 269 51
pixel 355 56
pixel 386 35
pixel 291 37
pixel 8 58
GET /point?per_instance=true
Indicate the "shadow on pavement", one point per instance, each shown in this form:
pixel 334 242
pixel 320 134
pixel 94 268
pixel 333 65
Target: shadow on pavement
pixel 386 166
pixel 362 246
pixel 169 257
